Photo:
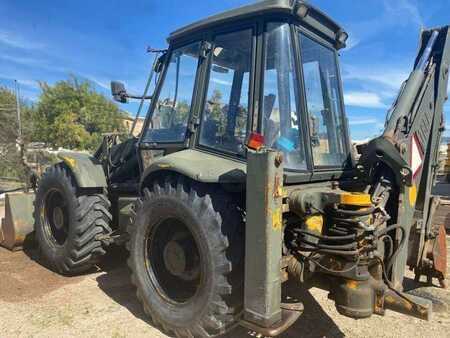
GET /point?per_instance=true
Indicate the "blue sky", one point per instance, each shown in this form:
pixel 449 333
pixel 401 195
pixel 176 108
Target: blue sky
pixel 103 40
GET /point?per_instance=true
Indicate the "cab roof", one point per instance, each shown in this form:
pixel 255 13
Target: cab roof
pixel 312 17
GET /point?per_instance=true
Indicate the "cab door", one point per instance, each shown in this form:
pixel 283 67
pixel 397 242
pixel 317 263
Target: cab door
pixel 166 126
pixel 225 112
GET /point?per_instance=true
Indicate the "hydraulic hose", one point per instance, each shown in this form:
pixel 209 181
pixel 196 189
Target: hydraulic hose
pixel 360 212
pixel 325 237
pixel 383 232
pixel 350 246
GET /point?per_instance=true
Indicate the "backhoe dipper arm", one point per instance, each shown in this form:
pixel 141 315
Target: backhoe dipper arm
pixel 407 151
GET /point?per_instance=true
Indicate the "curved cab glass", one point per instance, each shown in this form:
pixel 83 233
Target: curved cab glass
pixel 324 104
pixel 282 115
pixel 281 122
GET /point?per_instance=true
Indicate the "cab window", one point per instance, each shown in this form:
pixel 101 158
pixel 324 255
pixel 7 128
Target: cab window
pixel 324 103
pixel 170 117
pixel 281 121
pixel 225 114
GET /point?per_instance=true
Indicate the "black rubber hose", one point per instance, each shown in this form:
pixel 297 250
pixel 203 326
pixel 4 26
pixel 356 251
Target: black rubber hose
pixel 346 221
pixel 391 244
pixel 354 223
pixel 325 237
pixel 389 228
pixel 332 247
pixel 361 212
pixel 332 252
pixel 402 242
pixel 338 231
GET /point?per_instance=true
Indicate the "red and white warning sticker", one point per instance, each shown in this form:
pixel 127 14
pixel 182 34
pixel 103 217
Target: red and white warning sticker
pixel 416 155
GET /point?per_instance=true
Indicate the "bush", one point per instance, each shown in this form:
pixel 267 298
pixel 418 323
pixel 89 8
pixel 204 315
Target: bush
pixel 72 115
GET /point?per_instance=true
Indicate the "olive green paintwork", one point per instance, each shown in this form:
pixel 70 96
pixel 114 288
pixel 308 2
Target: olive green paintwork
pixel 263 238
pixel 87 170
pixel 200 166
pixel 296 9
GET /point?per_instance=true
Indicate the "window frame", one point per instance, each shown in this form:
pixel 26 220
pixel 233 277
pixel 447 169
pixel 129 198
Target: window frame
pixel 347 163
pixel 142 144
pixel 211 38
pixel 298 88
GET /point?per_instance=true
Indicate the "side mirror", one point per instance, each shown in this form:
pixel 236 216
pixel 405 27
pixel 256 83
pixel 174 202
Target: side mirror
pixel 119 92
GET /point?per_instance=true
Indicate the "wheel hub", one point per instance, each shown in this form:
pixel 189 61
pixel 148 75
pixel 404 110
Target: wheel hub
pixel 174 262
pixel 58 218
pixel 54 217
pixel 180 259
pixel 175 258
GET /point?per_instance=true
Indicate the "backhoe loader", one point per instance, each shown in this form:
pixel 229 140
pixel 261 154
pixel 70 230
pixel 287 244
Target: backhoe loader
pixel 243 180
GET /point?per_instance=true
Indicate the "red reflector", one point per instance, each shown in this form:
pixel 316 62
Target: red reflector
pixel 255 141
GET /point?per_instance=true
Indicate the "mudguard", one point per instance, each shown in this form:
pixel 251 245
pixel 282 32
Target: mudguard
pixel 87 170
pixel 199 166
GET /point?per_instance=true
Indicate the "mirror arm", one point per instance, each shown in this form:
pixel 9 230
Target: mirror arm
pixel 155 50
pixel 138 97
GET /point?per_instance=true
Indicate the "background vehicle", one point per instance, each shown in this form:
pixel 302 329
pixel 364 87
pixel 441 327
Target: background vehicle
pixel 242 179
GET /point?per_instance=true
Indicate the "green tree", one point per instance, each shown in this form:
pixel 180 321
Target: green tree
pixel 10 159
pixel 182 112
pixel 71 114
pixel 216 110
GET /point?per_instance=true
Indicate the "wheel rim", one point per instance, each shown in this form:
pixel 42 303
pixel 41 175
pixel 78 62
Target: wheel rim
pixel 55 217
pixel 173 261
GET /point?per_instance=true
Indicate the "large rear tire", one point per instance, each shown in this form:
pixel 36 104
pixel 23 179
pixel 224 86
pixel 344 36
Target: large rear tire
pixel 69 223
pixel 186 257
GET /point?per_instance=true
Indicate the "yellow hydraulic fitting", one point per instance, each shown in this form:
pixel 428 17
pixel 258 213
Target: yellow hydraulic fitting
pixel 356 199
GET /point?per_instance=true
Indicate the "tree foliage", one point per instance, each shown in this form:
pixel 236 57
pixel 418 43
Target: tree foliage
pixel 218 111
pixel 71 114
pixel 10 161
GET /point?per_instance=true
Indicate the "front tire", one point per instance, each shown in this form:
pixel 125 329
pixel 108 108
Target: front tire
pixel 186 257
pixel 68 223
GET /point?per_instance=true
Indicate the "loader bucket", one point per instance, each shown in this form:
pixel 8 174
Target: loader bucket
pixel 18 222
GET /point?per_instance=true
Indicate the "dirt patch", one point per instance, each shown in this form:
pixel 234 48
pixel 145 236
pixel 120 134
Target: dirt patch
pixel 21 278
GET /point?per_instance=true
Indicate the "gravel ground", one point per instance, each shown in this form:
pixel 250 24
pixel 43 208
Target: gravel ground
pixel 35 302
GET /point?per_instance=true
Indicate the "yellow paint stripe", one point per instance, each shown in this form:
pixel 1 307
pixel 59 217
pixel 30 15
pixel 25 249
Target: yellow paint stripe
pixel 412 195
pixel 69 161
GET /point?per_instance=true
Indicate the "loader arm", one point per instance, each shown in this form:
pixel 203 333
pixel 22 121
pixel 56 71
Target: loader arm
pixel 407 151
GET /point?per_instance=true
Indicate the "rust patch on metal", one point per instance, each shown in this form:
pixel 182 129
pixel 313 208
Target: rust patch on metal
pixel 379 303
pixel 440 252
pixel 278 188
pixel 352 284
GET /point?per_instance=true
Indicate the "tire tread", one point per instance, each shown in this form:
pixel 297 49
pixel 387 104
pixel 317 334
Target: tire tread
pixel 216 206
pixel 91 218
